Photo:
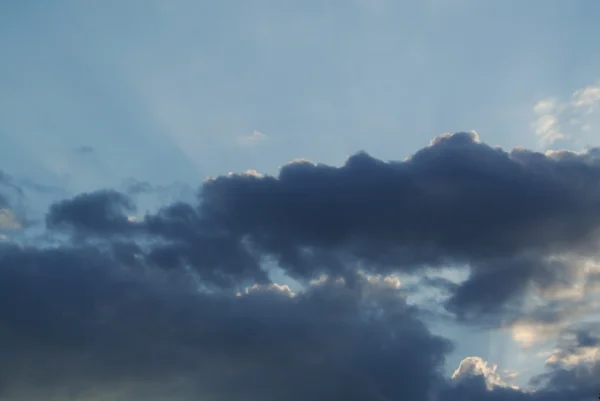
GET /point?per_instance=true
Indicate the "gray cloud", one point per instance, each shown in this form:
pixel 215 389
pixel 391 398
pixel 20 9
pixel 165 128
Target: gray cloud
pixel 456 201
pixel 101 212
pixel 74 323
pixel 148 308
pixel 82 320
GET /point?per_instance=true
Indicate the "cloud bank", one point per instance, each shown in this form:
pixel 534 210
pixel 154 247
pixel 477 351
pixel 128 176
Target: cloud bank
pixel 180 304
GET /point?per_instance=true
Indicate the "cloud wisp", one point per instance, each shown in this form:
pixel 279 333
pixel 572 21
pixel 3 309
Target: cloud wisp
pixel 567 119
pixel 253 139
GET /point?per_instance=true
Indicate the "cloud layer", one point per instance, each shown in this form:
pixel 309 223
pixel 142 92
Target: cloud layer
pixel 181 300
pixel 457 201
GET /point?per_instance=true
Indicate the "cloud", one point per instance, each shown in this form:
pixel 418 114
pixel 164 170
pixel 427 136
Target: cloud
pixel 552 311
pixel 503 215
pixel 86 327
pixel 179 303
pixel 476 366
pixel 101 212
pixel 578 345
pixel 587 98
pixel 252 139
pixel 567 119
pixel 545 107
pixel 85 318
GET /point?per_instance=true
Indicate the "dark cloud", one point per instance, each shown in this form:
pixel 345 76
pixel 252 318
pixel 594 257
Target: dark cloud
pixel 74 323
pixel 457 201
pixel 215 256
pixel 580 380
pixel 70 317
pixel 497 284
pixel 95 317
pixel 102 212
pixel 176 234
pixel 586 339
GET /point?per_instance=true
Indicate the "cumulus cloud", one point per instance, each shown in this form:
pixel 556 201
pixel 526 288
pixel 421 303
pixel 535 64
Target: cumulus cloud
pixel 85 327
pixel 476 366
pixel 182 297
pixel 89 323
pixel 102 212
pixel 503 215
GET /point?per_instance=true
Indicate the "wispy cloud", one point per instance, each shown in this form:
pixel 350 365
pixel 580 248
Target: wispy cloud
pixel 567 119
pixel 253 139
pixel 587 98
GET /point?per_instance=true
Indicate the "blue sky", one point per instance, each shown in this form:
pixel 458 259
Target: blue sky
pixel 96 93
pixel 142 81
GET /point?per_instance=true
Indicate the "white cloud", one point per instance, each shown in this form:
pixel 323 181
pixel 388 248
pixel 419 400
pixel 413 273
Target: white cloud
pixel 476 366
pixel 567 119
pixel 545 106
pixel 547 128
pixel 282 289
pixel 252 173
pixel 324 279
pixel 250 140
pixel 580 356
pixel 587 98
pixel 473 134
pixel 390 281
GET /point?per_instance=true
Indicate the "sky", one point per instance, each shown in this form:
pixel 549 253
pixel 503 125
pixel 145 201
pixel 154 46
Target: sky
pixel 358 200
